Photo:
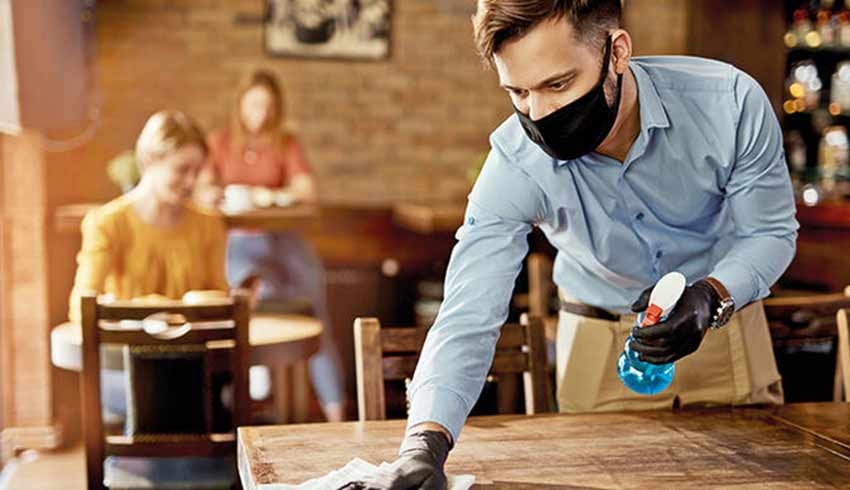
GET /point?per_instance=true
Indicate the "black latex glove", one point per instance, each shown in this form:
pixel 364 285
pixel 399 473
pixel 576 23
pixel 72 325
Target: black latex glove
pixel 682 332
pixel 419 465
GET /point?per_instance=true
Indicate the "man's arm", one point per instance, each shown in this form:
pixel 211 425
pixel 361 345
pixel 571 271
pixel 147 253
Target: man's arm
pixel 459 348
pixel 761 204
pixel 485 262
pixel 760 199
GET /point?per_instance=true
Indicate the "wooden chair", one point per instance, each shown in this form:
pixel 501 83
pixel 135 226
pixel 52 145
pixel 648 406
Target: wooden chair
pixel 219 331
pixel 385 354
pixel 809 320
pixel 541 291
pixel 842 364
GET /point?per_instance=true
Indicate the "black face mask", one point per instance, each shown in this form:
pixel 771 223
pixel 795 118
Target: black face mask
pixel 580 126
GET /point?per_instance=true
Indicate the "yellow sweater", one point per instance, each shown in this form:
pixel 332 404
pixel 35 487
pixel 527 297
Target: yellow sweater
pixel 126 257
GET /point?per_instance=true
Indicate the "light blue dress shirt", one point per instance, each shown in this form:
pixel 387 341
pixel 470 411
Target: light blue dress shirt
pixel 704 190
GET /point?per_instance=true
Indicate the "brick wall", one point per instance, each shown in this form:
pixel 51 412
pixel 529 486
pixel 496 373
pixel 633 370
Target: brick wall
pixel 404 128
pixel 658 26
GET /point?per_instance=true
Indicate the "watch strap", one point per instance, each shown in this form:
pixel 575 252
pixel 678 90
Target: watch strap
pixel 722 293
pixel 725 303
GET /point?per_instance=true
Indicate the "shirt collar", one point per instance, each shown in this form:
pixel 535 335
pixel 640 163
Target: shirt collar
pixel 652 113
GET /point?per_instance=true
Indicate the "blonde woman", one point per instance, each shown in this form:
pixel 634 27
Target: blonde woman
pixel 152 241
pixel 256 150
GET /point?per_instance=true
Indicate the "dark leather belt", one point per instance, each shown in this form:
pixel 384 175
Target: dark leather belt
pixel 588 311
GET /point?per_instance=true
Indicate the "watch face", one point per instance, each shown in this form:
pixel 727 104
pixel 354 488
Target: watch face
pixel 725 311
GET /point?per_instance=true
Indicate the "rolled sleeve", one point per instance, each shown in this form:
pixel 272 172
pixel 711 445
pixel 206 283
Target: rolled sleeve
pixel 459 348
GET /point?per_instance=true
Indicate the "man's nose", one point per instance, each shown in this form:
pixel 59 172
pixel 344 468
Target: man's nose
pixel 540 106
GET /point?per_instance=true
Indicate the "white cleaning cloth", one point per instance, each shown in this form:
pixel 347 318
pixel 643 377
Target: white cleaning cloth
pixel 357 469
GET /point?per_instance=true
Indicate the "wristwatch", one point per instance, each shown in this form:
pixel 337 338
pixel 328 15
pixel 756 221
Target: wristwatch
pixel 726 304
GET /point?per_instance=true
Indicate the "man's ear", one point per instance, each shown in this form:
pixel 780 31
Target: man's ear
pixel 621 50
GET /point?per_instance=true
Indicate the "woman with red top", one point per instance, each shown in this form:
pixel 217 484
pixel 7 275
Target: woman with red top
pixel 257 151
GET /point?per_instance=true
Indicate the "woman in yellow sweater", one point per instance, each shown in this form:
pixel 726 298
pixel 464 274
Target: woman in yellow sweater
pixel 152 240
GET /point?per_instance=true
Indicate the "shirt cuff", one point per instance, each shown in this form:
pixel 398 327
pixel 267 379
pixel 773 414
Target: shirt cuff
pixel 440 406
pixel 739 282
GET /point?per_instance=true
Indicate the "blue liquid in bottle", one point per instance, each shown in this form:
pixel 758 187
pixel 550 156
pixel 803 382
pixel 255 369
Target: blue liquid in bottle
pixel 643 377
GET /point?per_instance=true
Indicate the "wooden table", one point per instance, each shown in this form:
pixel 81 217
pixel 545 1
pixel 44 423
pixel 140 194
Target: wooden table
pixel 296 217
pixel 794 446
pixel 282 349
pixel 343 234
pixel 427 219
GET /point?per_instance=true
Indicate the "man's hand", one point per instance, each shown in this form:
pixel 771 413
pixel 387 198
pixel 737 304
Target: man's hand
pixel 682 331
pixel 419 465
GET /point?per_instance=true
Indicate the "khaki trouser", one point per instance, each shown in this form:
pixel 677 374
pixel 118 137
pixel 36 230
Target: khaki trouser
pixel 733 366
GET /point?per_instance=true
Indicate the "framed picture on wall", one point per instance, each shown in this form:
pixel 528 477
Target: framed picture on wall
pixel 349 29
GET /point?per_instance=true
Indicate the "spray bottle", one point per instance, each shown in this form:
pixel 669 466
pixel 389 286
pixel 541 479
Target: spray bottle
pixel 644 377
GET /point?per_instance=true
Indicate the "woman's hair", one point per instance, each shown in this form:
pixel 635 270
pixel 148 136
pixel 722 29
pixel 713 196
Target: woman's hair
pixel 167 131
pixel 274 123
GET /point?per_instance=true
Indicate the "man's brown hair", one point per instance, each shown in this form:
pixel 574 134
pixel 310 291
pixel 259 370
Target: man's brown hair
pixel 497 21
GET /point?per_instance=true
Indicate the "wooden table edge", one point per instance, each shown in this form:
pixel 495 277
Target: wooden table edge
pixel 243 466
pixel 839 448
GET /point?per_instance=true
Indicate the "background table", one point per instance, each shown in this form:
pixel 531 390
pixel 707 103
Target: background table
pixel 68 218
pixel 427 218
pixel 794 446
pixel 282 346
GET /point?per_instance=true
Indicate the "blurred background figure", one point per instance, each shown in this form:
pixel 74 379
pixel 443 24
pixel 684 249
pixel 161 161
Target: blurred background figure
pixel 258 151
pixel 152 241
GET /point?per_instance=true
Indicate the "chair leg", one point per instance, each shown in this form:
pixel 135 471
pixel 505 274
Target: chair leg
pixel 94 470
pixel 837 387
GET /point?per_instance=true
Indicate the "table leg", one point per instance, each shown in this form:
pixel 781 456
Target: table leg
pixel 300 391
pixel 281 392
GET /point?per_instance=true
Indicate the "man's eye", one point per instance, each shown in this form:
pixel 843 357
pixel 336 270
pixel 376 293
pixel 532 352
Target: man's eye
pixel 558 86
pixel 518 92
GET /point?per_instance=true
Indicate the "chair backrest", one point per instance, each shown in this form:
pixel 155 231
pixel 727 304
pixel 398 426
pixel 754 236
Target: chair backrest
pixel 810 318
pixel 802 310
pixel 541 291
pixel 218 331
pixel 842 364
pixel 385 354
pixel 541 287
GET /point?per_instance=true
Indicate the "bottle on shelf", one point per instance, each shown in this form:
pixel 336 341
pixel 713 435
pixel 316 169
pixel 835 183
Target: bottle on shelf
pixel 803 88
pixel 825 25
pixel 834 152
pixel 795 149
pixel 839 91
pixel 843 19
pixel 801 31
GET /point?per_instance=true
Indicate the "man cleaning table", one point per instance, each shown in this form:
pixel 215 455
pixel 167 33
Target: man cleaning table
pixel 633 168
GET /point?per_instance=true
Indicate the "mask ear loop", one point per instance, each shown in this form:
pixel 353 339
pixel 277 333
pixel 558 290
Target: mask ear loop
pixel 609 52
